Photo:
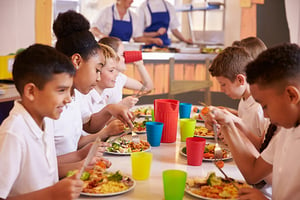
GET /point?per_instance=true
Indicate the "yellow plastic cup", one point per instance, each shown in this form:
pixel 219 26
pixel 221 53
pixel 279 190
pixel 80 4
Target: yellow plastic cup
pixel 187 128
pixel 141 165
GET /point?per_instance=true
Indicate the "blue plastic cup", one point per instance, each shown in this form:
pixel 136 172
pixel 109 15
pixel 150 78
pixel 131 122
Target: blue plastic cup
pixel 154 132
pixel 185 110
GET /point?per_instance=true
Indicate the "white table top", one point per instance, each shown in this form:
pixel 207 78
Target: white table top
pixel 166 156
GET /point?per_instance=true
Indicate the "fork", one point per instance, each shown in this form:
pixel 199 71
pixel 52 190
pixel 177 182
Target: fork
pixel 135 137
pixel 231 180
pixel 218 150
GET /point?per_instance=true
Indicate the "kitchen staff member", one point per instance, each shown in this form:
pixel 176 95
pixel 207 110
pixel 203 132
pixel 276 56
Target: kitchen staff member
pixel 119 21
pixel 158 16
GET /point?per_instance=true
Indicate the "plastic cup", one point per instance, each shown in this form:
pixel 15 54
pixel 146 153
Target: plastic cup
pixel 166 111
pixel 185 110
pixel 132 56
pixel 141 165
pixel 195 150
pixel 187 128
pixel 174 184
pixel 154 132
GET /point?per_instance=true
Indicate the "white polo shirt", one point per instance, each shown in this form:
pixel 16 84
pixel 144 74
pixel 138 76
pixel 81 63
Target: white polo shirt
pixel 27 154
pixel 282 153
pixel 68 128
pixel 105 20
pixel 157 6
pixel 95 101
pixel 252 115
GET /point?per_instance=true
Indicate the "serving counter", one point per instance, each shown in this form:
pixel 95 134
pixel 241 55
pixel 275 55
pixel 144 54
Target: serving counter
pixel 184 72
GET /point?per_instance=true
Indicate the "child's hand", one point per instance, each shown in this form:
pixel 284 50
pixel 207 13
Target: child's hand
pixel 121 112
pixel 68 188
pixel 114 127
pixel 251 193
pixel 139 63
pixel 129 101
pixel 157 41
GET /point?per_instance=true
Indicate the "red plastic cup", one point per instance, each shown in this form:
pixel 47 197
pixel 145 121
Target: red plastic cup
pixel 132 56
pixel 195 150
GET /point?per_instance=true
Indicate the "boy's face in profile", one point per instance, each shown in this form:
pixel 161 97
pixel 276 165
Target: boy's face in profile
pixel 109 74
pixel 49 101
pixel 276 105
pixel 232 89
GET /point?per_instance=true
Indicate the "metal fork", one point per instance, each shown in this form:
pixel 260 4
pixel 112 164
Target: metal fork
pixel 135 137
pixel 218 150
pixel 225 175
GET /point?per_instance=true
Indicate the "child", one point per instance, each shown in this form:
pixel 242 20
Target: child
pixel 229 69
pixel 75 41
pixel 253 45
pixel 122 81
pixel 28 169
pixel 274 79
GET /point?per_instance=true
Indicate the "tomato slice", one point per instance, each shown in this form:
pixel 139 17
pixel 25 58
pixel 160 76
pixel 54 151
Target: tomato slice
pixel 205 111
pixel 220 163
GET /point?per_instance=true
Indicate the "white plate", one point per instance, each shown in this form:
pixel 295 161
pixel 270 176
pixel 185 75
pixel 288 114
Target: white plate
pixel 110 194
pixel 207 159
pixel 202 197
pixel 206 137
pixel 125 154
pixel 188 190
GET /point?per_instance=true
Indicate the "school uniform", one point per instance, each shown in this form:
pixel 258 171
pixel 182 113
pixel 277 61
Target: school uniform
pixel 27 154
pixel 69 127
pixel 110 23
pixel 157 14
pixel 253 116
pixel 282 153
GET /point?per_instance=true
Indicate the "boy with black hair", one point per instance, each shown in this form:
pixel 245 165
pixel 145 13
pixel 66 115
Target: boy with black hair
pixel 28 169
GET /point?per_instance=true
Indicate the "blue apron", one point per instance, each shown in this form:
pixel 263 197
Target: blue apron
pixel 121 29
pixel 158 20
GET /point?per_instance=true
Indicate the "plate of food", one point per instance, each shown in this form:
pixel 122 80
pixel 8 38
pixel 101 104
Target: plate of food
pixel 123 146
pixel 208 154
pixel 143 111
pixel 139 125
pixel 201 131
pixel 213 187
pixel 99 182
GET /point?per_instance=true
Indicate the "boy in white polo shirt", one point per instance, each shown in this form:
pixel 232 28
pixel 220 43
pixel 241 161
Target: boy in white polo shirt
pixel 274 79
pixel 28 169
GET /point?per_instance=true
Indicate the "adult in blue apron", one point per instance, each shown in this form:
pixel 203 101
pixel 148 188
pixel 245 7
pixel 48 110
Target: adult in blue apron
pixel 159 20
pixel 121 29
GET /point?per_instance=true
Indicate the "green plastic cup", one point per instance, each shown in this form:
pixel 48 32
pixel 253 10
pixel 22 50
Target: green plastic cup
pixel 187 128
pixel 174 184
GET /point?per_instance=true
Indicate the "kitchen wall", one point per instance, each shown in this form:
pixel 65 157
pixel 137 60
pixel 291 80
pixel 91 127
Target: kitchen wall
pixel 18 23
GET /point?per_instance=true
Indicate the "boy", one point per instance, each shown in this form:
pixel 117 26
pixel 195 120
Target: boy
pixel 229 69
pixel 274 79
pixel 28 169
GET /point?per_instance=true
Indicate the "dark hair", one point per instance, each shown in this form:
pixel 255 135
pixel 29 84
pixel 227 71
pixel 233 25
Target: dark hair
pixel 113 42
pixel 37 64
pixel 279 64
pixel 73 35
pixel 253 45
pixel 230 62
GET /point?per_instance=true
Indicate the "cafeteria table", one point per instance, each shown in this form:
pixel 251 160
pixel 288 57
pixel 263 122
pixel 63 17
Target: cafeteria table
pixel 166 156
